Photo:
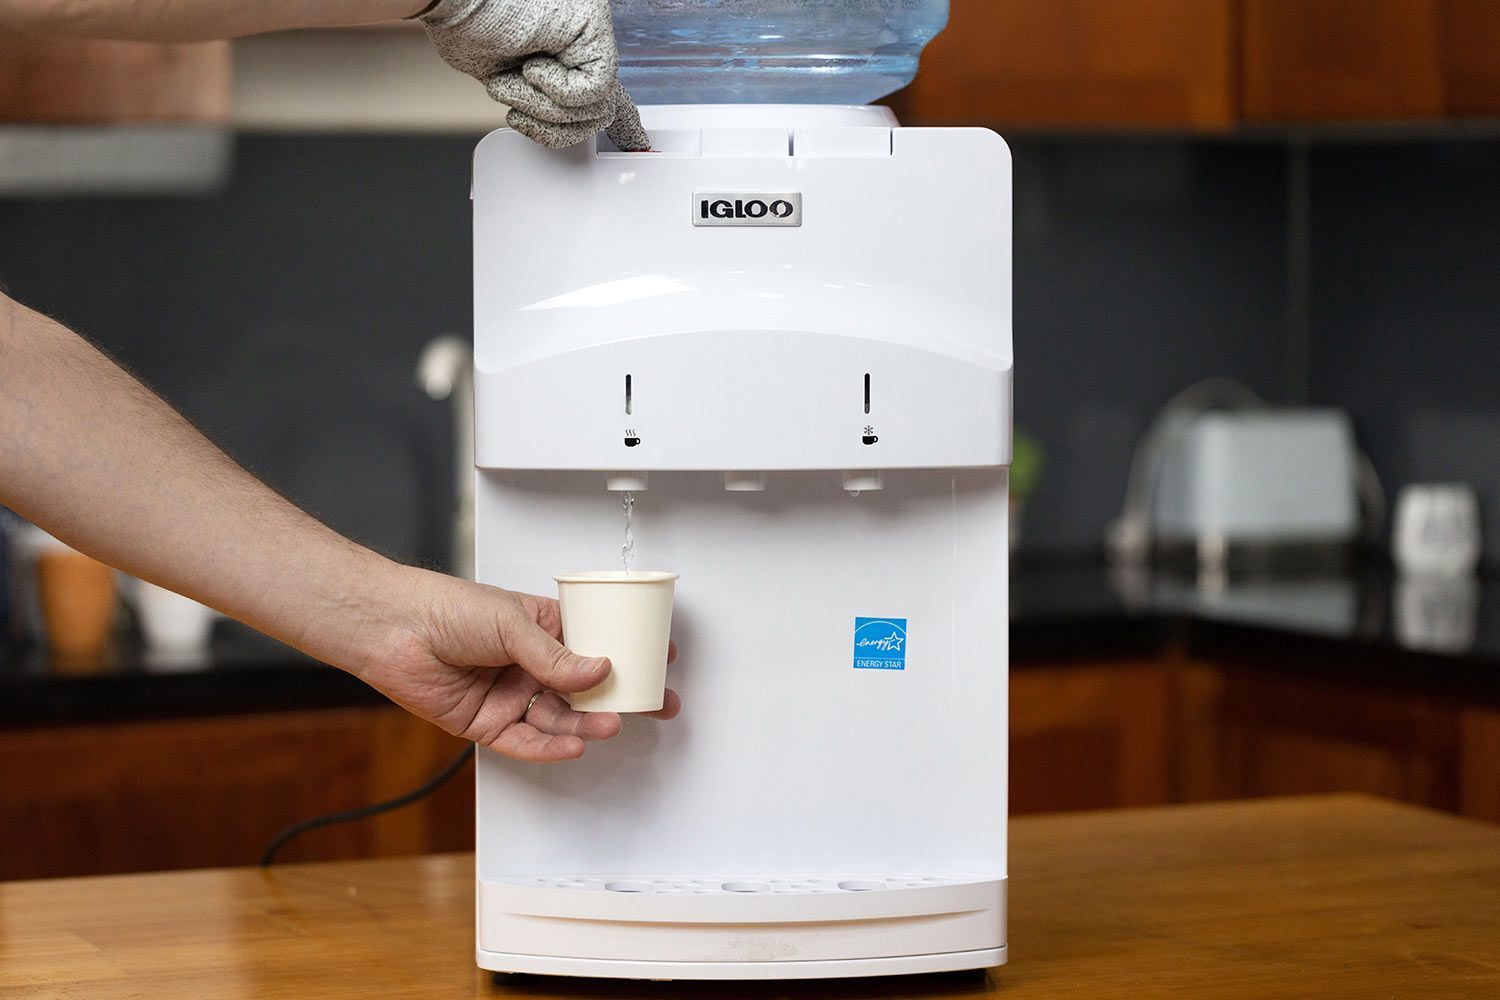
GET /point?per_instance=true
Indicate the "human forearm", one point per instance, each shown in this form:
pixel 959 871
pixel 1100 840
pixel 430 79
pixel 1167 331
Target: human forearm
pixel 91 455
pixel 94 457
pixel 193 20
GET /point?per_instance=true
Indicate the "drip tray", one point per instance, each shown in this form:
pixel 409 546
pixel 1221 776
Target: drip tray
pixel 740 898
pixel 707 920
pixel 737 885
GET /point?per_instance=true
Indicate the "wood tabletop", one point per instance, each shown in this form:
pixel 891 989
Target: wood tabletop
pixel 1334 897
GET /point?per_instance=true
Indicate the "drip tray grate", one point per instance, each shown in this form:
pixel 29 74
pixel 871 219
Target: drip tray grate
pixel 739 885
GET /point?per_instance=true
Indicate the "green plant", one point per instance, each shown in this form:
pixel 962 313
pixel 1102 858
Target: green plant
pixel 1026 466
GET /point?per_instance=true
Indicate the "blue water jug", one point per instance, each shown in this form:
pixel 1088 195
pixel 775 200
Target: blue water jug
pixel 772 51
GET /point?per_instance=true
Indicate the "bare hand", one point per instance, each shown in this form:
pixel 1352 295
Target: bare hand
pixel 471 658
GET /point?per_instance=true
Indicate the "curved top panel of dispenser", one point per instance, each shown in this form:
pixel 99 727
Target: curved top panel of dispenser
pixel 772 51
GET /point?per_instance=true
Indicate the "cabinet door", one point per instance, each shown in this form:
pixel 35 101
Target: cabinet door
pixel 1479 793
pixel 1249 731
pixel 190 793
pixel 1471 56
pixel 1090 736
pixel 1352 60
pixel 1080 63
pixel 1334 60
pixel 87 81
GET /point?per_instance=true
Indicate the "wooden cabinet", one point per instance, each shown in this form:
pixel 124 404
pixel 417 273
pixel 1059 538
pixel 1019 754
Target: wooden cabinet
pixel 1122 63
pixel 1247 731
pixel 1343 60
pixel 1207 64
pixel 135 796
pixel 1479 763
pixel 1471 57
pixel 88 81
pixel 1257 733
pixel 1116 733
pixel 1091 735
pixel 1309 60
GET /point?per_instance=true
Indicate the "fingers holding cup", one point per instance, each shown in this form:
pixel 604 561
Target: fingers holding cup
pixel 550 714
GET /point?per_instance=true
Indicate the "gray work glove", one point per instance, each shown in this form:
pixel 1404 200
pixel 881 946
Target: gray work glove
pixel 552 61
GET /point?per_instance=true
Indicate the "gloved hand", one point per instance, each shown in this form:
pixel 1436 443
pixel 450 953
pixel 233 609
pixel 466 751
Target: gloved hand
pixel 552 61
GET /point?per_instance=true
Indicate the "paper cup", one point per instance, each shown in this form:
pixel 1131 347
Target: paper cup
pixel 628 618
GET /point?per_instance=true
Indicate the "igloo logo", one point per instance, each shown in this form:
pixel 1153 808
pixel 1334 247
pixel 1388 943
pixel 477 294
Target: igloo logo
pixel 747 208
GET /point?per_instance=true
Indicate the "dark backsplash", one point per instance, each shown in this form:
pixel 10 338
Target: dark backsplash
pixel 285 315
pixel 1406 309
pixel 1140 268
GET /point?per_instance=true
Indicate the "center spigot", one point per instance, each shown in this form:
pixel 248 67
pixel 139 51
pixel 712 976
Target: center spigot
pixel 864 480
pixel 744 482
pixel 626 482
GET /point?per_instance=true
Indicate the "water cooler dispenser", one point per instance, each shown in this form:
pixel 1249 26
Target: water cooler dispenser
pixel 787 332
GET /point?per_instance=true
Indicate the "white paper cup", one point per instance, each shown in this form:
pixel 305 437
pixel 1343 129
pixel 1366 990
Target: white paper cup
pixel 628 618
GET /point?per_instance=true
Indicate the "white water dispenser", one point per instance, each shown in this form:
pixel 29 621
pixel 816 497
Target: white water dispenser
pixel 788 331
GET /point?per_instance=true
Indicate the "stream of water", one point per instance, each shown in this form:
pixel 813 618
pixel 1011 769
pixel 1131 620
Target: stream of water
pixel 628 549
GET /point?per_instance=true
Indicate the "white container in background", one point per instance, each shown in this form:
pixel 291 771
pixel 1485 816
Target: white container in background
pixel 171 623
pixel 1436 529
pixel 1259 476
pixel 1437 612
pixel 628 618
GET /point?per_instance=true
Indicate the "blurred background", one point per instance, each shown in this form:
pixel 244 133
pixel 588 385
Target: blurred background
pixel 1257 490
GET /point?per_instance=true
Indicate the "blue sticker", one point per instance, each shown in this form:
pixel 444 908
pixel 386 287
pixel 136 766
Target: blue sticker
pixel 880 644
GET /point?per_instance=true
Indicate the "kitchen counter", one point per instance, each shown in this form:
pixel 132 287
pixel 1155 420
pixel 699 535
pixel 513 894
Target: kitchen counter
pixel 1365 622
pixel 241 671
pixel 1334 897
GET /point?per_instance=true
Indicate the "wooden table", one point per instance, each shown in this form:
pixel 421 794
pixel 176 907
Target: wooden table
pixel 1320 897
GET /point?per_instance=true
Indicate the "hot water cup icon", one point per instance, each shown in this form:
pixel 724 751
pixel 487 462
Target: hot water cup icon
pixel 628 618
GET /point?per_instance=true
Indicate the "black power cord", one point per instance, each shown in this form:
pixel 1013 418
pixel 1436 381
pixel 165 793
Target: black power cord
pixel 365 812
